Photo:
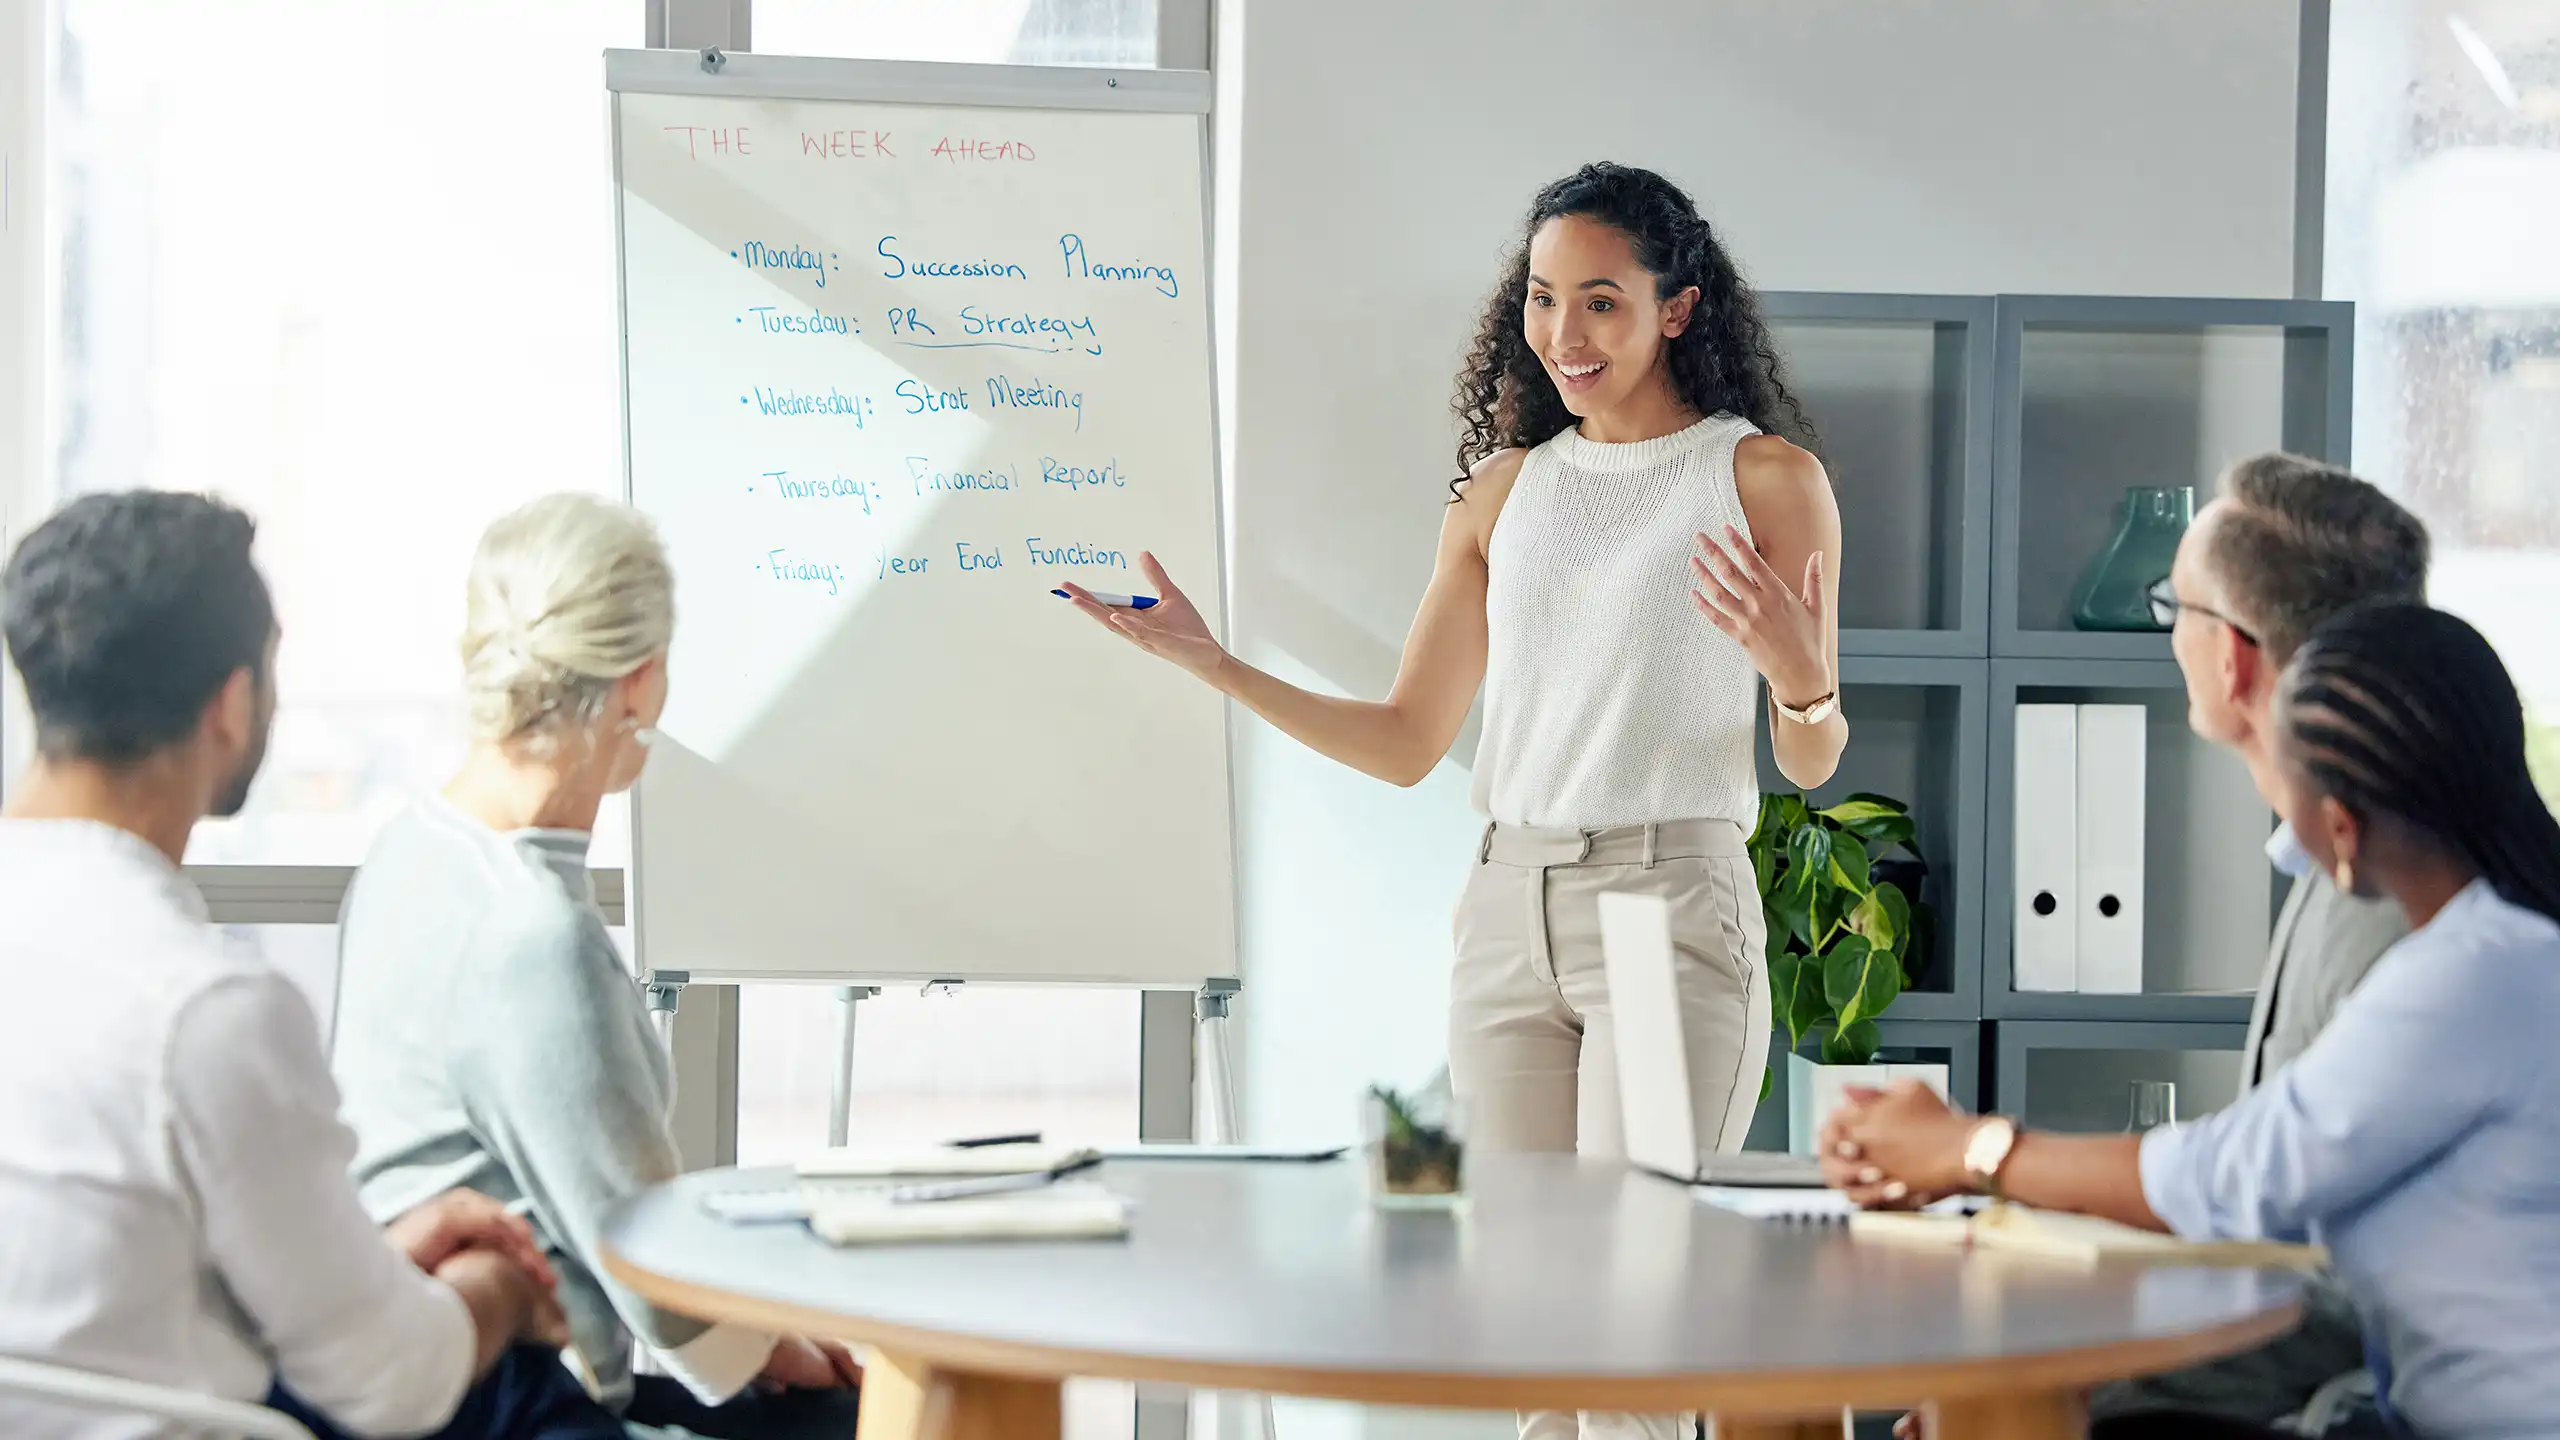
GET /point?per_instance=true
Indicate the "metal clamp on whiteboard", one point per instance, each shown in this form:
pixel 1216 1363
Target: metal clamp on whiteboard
pixel 941 987
pixel 712 59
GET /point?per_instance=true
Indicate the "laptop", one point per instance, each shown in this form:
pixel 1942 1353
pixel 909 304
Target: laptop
pixel 1653 1058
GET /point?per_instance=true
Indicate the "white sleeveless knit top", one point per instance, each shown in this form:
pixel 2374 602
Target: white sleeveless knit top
pixel 1609 700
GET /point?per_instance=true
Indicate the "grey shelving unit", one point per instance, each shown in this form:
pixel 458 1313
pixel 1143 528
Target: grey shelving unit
pixel 2095 393
pixel 2209 891
pixel 1978 446
pixel 2153 1041
pixel 1901 387
pixel 1922 722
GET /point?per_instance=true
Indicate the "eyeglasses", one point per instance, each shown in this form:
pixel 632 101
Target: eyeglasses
pixel 2165 606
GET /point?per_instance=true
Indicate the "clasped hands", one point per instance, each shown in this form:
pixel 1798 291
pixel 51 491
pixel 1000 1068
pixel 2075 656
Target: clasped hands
pixel 463 1234
pixel 1898 1148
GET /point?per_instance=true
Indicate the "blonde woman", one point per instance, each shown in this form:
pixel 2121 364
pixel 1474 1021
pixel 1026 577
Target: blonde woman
pixel 489 1033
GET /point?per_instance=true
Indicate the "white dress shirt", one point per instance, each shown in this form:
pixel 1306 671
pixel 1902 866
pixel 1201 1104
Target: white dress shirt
pixel 174 1201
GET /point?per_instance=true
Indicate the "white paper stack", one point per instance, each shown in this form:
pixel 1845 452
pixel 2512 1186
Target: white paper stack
pixel 1069 1210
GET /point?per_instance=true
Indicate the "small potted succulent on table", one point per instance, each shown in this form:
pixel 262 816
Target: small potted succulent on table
pixel 1416 1150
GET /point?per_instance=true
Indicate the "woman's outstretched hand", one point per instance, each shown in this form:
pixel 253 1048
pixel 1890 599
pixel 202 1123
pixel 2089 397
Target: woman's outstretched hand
pixel 1783 631
pixel 1171 627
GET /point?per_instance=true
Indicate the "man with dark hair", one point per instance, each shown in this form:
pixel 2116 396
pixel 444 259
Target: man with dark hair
pixel 174 1202
pixel 2288 543
pixel 126 615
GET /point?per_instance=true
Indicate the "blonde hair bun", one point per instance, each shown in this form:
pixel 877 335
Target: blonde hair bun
pixel 568 595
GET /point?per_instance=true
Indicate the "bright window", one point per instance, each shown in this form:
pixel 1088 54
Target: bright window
pixel 1021 32
pixel 2443 201
pixel 350 266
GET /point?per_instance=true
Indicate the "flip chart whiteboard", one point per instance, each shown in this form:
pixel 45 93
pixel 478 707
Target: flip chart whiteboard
pixel 904 347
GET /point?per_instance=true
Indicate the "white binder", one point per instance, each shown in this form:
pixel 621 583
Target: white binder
pixel 2045 933
pixel 2111 796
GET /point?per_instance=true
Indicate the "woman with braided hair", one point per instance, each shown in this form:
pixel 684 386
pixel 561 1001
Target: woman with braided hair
pixel 2418 1138
pixel 1633 544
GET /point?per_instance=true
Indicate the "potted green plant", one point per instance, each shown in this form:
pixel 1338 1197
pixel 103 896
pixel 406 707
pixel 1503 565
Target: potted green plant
pixel 1848 933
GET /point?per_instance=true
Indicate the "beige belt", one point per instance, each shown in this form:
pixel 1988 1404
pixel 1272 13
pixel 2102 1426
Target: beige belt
pixel 1539 847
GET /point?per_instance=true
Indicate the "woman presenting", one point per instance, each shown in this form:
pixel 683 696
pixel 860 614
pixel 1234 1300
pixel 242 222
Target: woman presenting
pixel 1633 548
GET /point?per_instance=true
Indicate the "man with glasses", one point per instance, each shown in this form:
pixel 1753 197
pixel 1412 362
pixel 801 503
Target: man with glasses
pixel 2288 543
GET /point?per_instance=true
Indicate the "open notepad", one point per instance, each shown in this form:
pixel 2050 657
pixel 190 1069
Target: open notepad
pixel 854 1197
pixel 2080 1239
pixel 1068 1210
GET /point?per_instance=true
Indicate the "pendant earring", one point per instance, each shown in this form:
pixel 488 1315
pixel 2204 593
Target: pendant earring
pixel 2345 875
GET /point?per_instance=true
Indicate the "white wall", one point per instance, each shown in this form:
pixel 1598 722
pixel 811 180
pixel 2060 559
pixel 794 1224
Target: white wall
pixel 1375 156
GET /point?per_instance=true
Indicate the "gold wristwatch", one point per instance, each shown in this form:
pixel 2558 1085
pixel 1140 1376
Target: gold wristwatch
pixel 1987 1149
pixel 1812 712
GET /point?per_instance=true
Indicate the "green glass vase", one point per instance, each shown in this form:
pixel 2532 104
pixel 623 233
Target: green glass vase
pixel 2115 592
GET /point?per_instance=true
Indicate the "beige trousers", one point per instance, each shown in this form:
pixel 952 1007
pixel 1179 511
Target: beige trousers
pixel 1531 1044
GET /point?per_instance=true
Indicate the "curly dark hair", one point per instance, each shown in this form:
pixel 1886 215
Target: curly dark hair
pixel 1723 361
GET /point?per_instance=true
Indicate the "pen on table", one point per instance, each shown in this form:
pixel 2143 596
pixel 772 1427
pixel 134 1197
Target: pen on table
pixel 1117 602
pixel 1028 1137
pixel 993 1184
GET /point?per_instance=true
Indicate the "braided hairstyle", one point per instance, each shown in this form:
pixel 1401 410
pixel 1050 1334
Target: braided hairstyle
pixel 2397 710
pixel 1723 361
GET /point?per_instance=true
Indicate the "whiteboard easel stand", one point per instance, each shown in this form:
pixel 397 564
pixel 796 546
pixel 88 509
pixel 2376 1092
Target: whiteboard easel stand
pixel 849 1000
pixel 1217 1071
pixel 1217 1082
pixel 1213 1009
pixel 665 989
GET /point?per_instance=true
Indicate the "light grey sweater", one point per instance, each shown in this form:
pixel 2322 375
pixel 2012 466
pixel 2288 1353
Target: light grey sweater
pixel 489 1035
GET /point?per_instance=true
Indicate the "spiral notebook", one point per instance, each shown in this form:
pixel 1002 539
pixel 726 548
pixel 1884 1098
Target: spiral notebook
pixel 2077 1239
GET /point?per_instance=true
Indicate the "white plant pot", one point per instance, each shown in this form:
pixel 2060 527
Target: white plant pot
pixel 1815 1090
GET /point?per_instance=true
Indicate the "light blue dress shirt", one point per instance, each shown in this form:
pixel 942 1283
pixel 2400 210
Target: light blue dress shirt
pixel 2419 1140
pixel 2285 852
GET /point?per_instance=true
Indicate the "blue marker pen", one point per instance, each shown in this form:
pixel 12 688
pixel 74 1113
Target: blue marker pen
pixel 1116 602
